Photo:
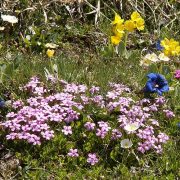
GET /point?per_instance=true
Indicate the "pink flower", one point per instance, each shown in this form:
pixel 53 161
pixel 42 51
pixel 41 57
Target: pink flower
pixel 89 126
pixel 73 153
pixel 11 136
pixel 47 134
pixel 116 134
pixel 169 114
pixel 158 149
pixel 17 104
pixel 67 130
pixel 177 74
pixel 103 129
pixel 162 137
pixel 92 159
pixel 94 89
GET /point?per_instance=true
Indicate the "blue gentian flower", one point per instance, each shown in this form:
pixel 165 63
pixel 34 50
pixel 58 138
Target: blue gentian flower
pixel 156 83
pixel 158 46
pixel 178 124
pixel 2 103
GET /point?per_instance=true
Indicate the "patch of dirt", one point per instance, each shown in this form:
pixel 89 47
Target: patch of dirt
pixel 8 164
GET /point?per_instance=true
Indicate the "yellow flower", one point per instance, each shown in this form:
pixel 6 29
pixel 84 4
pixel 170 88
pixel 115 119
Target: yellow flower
pixel 118 30
pixel 129 25
pixel 138 20
pixel 50 53
pixel 171 47
pixel 135 15
pixel 140 24
pixel 116 39
pixel 117 19
pixel 119 27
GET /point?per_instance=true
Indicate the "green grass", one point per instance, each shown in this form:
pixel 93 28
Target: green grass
pixel 83 57
pixel 46 161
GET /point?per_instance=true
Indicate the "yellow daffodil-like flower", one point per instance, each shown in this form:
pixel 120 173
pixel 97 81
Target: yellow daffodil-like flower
pixel 118 29
pixel 50 53
pixel 171 47
pixel 117 20
pixel 116 39
pixel 129 25
pixel 140 24
pixel 135 15
pixel 138 20
pixel 119 26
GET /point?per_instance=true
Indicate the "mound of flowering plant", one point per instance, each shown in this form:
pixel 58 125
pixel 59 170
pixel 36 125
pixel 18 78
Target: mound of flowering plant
pixel 98 125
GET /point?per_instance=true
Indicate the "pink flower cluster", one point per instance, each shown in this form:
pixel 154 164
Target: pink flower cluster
pixel 92 159
pixel 103 129
pixel 177 74
pixel 32 120
pixel 89 126
pixel 73 153
pixel 150 141
pixel 169 114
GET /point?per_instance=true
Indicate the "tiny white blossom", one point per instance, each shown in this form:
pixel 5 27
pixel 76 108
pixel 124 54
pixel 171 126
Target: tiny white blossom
pixel 131 127
pixel 163 57
pixel 51 45
pixel 9 18
pixel 2 28
pixel 126 143
pixel 28 37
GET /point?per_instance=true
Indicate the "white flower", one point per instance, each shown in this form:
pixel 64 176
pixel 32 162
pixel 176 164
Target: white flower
pixel 126 143
pixel 28 37
pixel 152 57
pixel 145 62
pixel 8 103
pixel 149 59
pixel 163 57
pixel 146 109
pixel 51 45
pixel 9 18
pixel 171 88
pixel 38 43
pixel 131 127
pixel 2 28
pixel 31 29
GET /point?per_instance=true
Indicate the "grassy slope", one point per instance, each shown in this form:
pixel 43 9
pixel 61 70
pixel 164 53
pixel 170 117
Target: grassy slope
pixel 46 161
pixel 83 65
